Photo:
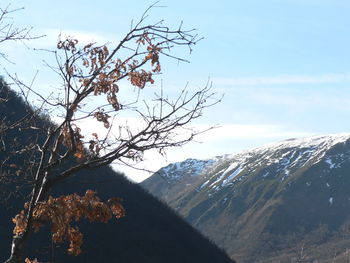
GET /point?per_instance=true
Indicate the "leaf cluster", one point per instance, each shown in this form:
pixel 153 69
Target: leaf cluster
pixel 60 212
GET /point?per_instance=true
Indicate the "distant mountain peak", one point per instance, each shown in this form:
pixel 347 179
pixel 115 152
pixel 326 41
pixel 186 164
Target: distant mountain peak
pixel 289 190
pixel 312 141
pixel 285 156
pixel 289 154
pixel 189 167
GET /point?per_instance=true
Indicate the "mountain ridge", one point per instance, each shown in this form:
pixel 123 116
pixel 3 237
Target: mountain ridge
pixel 294 187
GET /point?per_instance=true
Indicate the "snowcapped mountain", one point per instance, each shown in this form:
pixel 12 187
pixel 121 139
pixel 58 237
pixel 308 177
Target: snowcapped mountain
pixel 282 158
pixel 291 189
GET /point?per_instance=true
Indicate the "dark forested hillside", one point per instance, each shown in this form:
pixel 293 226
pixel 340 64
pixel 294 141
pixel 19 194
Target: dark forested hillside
pixel 150 232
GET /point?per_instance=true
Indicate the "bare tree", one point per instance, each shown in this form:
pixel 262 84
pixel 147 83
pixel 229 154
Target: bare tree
pixel 88 73
pixel 9 31
pixel 12 146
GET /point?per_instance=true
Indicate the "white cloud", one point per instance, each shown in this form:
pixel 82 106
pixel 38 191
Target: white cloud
pixel 284 79
pixel 245 132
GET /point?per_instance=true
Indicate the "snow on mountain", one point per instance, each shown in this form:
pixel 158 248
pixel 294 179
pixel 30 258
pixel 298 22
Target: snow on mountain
pixel 268 195
pixel 189 168
pixel 284 157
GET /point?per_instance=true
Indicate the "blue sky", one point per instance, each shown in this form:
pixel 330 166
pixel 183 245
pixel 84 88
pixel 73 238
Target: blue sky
pixel 283 65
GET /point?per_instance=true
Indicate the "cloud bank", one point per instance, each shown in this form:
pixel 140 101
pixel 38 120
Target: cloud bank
pixel 284 80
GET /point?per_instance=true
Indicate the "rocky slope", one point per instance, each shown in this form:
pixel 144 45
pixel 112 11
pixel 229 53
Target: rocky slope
pixel 268 204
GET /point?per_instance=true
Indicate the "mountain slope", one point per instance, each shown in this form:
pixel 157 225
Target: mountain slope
pixel 150 232
pixel 260 205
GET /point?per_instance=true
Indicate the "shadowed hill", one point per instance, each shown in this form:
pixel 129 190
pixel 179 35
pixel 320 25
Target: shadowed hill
pixel 150 232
